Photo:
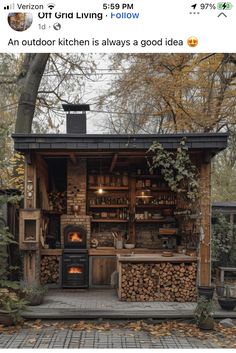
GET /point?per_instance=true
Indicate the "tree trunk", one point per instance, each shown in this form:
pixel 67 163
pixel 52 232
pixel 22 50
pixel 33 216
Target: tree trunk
pixel 31 74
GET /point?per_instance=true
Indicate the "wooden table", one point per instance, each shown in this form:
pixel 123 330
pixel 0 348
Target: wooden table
pixel 222 270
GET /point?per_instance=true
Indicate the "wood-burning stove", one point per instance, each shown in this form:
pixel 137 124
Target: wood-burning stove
pixel 75 269
pixel 75 258
pixel 75 237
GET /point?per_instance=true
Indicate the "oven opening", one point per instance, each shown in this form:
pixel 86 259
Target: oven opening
pixel 75 270
pixel 75 237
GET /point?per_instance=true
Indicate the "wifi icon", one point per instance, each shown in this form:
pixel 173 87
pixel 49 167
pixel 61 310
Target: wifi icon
pixel 51 6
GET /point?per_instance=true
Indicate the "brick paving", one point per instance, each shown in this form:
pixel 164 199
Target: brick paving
pixel 51 337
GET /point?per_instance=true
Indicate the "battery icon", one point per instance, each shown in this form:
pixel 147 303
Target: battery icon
pixel 224 6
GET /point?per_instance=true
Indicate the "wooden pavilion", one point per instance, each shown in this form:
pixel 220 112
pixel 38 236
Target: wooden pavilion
pixel 81 189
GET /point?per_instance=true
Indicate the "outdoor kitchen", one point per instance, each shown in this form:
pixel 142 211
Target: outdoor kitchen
pixel 97 214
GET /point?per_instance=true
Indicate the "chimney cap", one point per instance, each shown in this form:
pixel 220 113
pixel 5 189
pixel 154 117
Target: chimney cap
pixel 76 107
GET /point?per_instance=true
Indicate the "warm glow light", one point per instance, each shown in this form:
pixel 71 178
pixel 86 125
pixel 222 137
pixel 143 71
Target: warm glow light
pixel 74 270
pixel 144 194
pixel 100 191
pixel 74 236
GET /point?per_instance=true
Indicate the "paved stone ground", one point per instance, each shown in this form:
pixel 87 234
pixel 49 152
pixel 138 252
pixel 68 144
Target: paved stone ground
pixel 104 303
pixel 100 299
pixel 117 338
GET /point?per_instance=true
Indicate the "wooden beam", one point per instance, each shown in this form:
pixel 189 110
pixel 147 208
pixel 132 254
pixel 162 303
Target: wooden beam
pixel 207 156
pixel 28 158
pixel 73 158
pixel 113 162
pixel 66 154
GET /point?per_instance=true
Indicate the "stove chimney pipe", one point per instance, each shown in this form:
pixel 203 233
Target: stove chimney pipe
pixel 76 122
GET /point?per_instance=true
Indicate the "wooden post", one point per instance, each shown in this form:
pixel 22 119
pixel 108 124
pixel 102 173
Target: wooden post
pixel 132 235
pixel 30 183
pixel 205 241
pixel 32 267
pixel 41 169
pixel 31 257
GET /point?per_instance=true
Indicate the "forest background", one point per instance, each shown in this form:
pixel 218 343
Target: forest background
pixel 127 93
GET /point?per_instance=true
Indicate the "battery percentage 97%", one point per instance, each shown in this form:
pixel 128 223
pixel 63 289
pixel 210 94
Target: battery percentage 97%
pixel 207 6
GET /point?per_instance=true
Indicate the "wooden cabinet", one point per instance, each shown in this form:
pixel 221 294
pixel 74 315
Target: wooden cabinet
pixel 101 268
pixel 30 229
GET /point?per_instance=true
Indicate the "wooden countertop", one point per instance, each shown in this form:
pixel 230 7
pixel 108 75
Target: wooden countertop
pixel 128 255
pixel 155 258
pixel 113 251
pixel 52 252
pixel 103 251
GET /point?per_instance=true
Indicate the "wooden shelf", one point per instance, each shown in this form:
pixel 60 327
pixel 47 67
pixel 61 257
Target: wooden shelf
pixel 146 176
pixel 52 252
pixel 155 206
pixel 109 220
pixel 152 221
pixel 108 206
pixel 115 188
pixel 153 189
pixel 104 251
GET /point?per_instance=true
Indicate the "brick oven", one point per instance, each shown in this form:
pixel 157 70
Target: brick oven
pixel 75 262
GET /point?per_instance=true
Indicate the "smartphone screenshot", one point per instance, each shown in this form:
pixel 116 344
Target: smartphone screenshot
pixel 117 174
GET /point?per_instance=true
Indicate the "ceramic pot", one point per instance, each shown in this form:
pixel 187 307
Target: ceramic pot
pixel 206 324
pixel 34 298
pixel 220 290
pixel 227 303
pixel 6 317
pixel 206 291
pixel 119 244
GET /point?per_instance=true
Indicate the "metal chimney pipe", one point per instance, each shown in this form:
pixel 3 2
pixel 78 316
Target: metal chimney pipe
pixel 76 123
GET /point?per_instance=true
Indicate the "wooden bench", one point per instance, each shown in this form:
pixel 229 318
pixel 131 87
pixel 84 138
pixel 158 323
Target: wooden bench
pixel 221 271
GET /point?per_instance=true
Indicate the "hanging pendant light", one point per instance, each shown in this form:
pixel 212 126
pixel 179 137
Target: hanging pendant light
pixel 144 194
pixel 100 190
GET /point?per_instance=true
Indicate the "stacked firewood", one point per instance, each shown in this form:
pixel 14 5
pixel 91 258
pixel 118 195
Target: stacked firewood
pixel 159 282
pixel 49 269
pixel 57 201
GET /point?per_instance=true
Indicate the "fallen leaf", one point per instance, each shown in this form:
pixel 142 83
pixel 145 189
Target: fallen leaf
pixel 32 340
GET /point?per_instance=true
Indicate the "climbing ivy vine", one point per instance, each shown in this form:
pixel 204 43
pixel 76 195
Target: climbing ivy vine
pixel 177 169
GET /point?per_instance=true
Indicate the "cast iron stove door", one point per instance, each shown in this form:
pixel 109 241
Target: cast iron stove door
pixel 75 271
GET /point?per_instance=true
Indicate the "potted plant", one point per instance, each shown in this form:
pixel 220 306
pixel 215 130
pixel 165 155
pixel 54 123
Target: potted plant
pixel 11 307
pixel 227 302
pixel 206 291
pixel 204 313
pixel 34 294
